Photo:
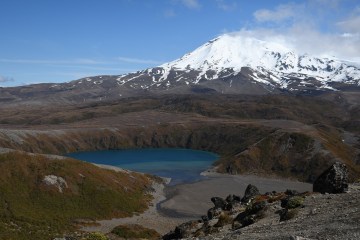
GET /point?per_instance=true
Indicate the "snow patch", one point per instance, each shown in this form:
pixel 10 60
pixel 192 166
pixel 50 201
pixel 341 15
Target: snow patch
pixel 267 63
pixel 98 82
pixel 272 60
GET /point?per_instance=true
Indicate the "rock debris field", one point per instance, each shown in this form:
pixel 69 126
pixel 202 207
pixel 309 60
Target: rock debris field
pixel 288 215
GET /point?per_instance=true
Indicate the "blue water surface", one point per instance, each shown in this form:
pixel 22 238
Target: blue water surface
pixel 181 165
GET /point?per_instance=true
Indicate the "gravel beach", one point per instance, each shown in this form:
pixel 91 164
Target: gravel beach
pixel 193 200
pixel 173 205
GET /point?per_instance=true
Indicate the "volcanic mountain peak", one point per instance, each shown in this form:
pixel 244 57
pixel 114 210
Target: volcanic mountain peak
pixel 228 64
pixel 230 51
pixel 239 62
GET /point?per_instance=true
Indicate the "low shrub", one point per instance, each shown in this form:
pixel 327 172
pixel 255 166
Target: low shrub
pixel 135 231
pixel 96 236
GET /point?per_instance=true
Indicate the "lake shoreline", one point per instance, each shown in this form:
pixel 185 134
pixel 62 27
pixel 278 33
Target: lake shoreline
pixel 181 165
pixel 152 218
pixel 175 204
pixel 192 200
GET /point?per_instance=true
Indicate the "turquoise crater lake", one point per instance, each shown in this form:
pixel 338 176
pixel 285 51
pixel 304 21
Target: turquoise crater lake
pixel 181 165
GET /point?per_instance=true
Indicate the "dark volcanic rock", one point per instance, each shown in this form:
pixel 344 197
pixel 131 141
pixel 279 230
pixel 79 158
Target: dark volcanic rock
pixel 243 220
pixel 251 191
pixel 219 202
pixel 182 231
pixel 251 215
pixel 233 201
pixel 204 218
pixel 256 207
pixel 333 180
pixel 314 216
pixel 291 192
pixel 213 212
pixel 233 198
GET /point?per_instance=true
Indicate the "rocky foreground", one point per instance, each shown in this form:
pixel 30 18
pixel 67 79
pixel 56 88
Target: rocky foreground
pixel 286 215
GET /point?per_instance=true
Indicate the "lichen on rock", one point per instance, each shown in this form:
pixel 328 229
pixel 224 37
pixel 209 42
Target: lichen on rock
pixel 59 182
pixel 333 180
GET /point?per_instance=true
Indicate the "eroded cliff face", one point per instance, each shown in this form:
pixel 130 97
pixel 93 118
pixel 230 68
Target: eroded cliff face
pixel 281 153
pixel 220 138
pixel 244 148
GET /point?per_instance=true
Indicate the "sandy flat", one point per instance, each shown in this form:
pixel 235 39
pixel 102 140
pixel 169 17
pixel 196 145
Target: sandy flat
pixel 151 218
pixel 193 200
pixel 173 205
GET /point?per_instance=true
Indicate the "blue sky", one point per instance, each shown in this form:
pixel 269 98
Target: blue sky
pixel 57 41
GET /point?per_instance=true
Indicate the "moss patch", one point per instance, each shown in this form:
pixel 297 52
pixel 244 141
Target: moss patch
pixel 135 232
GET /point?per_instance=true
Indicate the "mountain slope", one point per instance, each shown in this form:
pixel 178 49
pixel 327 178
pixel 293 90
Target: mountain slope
pixel 229 64
pixel 232 58
pixel 41 198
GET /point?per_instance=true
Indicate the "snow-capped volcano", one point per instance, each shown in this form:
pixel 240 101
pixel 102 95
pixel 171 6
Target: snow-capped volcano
pixel 229 64
pixel 228 51
pixel 234 58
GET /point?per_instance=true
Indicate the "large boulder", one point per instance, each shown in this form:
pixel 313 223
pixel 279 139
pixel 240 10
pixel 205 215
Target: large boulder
pixel 184 230
pixel 233 202
pixel 233 198
pixel 213 213
pixel 250 192
pixel 219 202
pixel 333 180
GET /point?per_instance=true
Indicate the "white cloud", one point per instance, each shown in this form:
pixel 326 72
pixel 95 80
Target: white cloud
pixel 224 5
pixel 311 27
pixel 47 61
pixel 80 62
pixel 138 60
pixel 305 39
pixel 4 79
pixel 327 3
pixel 192 4
pixel 118 69
pixel 169 13
pixel 281 13
pixel 350 25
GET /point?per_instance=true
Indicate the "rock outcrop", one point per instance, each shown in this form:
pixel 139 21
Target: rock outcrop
pixel 58 182
pixel 235 213
pixel 333 180
pixel 284 215
pixel 219 202
pixel 250 192
pixel 182 231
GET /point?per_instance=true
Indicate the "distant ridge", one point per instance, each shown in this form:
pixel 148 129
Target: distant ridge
pixel 228 64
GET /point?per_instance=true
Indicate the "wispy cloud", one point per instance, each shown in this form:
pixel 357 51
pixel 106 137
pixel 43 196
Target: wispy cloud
pixel 226 6
pixel 4 79
pixel 71 69
pixel 169 13
pixel 138 60
pixel 192 4
pixel 280 13
pixel 99 68
pixel 314 27
pixel 47 61
pixel 350 25
pixel 81 62
pixel 301 27
pixel 328 3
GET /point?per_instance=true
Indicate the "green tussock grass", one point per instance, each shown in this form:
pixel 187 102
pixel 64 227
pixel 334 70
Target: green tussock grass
pixel 31 209
pixel 135 232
